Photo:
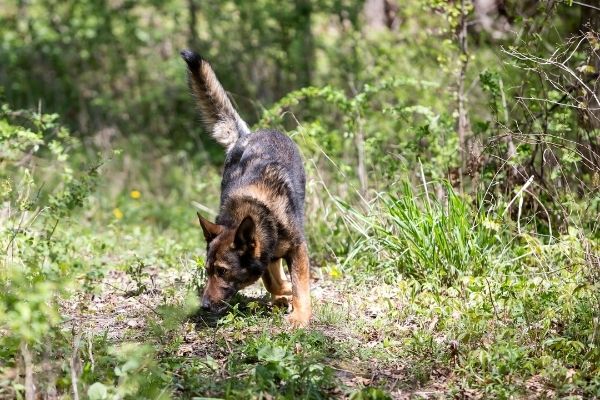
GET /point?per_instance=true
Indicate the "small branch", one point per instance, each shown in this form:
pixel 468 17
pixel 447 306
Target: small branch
pixel 361 168
pixel 558 103
pixel 74 363
pixel 545 211
pixel 424 184
pixel 519 193
pixel 28 360
pixel 489 288
pixel 585 5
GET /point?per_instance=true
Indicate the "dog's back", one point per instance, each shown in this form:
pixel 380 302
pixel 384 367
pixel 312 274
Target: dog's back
pixel 267 166
pixel 264 165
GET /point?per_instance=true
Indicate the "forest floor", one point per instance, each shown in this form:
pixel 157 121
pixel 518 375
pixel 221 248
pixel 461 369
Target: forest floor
pixel 507 331
pixel 350 333
pixel 363 343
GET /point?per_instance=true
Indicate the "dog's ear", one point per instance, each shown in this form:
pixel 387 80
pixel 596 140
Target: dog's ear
pixel 210 230
pixel 245 236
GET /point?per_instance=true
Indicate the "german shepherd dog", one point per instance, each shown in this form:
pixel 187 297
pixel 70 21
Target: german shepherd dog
pixel 261 215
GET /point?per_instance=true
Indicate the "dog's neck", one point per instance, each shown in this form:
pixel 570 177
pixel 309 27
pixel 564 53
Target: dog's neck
pixel 235 209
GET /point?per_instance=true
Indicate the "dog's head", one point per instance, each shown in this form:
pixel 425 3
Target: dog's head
pixel 232 261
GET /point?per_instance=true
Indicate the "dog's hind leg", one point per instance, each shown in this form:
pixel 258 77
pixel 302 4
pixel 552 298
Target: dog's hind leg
pixel 298 264
pixel 277 284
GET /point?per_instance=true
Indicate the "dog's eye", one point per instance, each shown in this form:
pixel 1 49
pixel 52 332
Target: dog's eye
pixel 221 271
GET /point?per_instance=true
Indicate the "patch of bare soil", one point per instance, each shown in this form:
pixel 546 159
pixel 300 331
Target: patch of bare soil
pixel 344 313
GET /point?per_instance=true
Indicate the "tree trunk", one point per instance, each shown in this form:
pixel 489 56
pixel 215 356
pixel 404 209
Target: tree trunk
pixel 381 14
pixel 193 41
pixel 590 118
pixel 306 58
pixel 464 126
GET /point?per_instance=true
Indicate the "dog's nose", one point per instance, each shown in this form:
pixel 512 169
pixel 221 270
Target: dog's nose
pixel 205 304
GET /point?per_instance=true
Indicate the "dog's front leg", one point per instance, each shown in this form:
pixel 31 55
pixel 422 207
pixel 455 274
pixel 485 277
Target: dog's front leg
pixel 300 273
pixel 277 284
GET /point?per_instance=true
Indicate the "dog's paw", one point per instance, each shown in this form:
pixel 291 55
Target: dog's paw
pixel 298 320
pixel 283 301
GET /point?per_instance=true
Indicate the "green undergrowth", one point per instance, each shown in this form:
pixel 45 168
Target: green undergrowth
pixel 501 306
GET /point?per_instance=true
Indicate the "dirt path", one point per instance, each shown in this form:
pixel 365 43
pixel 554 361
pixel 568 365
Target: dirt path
pixel 355 319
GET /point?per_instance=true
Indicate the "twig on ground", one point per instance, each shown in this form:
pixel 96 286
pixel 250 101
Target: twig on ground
pixel 133 297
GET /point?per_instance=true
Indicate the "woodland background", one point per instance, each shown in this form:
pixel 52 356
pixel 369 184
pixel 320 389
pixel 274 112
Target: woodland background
pixel 453 157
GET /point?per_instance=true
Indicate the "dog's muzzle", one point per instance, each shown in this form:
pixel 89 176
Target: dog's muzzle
pixel 214 306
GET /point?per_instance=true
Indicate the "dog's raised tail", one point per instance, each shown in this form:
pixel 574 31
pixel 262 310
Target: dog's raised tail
pixel 217 112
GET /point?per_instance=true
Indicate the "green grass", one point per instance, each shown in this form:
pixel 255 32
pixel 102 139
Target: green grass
pixel 426 239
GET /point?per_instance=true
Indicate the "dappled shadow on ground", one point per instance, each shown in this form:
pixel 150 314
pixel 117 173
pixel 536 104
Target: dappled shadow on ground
pixel 240 303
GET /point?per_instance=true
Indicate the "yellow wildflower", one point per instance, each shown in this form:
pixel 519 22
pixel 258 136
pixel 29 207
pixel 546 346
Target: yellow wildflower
pixel 118 213
pixel 335 272
pixel 135 194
